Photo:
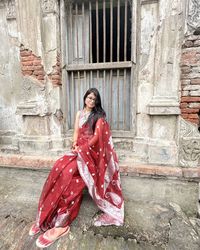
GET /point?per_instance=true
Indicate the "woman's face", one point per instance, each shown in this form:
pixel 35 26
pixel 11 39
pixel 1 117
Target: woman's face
pixel 90 101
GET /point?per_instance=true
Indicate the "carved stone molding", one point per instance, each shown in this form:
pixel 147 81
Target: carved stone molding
pixel 11 9
pixel 49 6
pixel 163 106
pixel 33 99
pixel 193 16
pixel 189 150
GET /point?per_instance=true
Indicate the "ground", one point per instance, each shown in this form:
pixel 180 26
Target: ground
pixel 149 225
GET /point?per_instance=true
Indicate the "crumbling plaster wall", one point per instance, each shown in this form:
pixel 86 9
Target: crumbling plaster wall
pixel 31 100
pixel 10 73
pixel 189 132
pixel 162 29
pixel 31 75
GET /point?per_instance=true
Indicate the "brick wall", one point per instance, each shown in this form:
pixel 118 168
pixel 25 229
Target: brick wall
pixel 190 79
pixel 32 66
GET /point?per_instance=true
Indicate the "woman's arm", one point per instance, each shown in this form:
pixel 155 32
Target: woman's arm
pixel 76 130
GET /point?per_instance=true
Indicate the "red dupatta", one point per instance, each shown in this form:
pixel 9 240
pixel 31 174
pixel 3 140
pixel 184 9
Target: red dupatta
pixel 99 169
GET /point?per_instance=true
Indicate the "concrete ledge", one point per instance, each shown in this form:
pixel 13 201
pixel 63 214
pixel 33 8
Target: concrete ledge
pixel 126 168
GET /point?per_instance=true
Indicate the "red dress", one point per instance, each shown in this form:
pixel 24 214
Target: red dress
pixel 95 166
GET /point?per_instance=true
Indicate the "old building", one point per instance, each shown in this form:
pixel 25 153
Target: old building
pixel 142 55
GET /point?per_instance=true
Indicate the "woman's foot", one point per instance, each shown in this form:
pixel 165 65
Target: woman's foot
pixel 51 235
pixel 106 220
pixel 34 230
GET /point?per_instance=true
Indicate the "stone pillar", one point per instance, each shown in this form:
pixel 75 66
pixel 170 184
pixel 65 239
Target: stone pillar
pixel 10 76
pixel 162 26
pixel 40 105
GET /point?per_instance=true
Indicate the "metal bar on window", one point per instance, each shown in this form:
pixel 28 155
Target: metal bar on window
pixel 90 17
pixel 118 100
pixel 118 29
pixel 71 30
pixel 91 78
pixel 97 79
pixel 111 30
pixel 78 91
pixel 83 30
pixel 125 100
pixel 77 40
pixel 104 86
pixel 85 79
pixel 97 29
pixel 73 91
pixel 104 30
pixel 111 93
pixel 125 30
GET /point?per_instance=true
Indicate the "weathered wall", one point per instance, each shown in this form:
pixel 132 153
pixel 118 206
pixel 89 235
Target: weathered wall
pixel 10 76
pixel 32 85
pixel 162 25
pixel 189 135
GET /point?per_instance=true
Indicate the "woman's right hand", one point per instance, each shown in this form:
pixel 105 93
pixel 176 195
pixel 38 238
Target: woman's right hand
pixel 75 148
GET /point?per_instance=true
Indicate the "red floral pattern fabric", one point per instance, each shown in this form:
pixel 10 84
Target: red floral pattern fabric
pixel 95 166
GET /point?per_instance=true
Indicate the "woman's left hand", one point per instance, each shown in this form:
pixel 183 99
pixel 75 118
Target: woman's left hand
pixel 75 149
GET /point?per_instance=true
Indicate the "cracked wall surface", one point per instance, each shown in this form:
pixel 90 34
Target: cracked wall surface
pixel 33 80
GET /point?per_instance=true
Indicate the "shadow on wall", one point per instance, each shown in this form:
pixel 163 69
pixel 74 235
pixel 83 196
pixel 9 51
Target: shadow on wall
pixel 199 121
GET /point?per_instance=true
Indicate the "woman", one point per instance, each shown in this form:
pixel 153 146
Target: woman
pixel 92 163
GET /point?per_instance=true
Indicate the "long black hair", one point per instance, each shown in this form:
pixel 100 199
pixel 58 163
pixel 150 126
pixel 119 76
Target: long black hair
pixel 97 112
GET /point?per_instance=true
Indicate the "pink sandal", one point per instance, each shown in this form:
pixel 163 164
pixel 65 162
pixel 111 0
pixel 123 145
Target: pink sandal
pixel 43 240
pixel 34 230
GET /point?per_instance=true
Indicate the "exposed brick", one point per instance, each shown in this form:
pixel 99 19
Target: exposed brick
pixel 39 68
pixel 28 68
pixel 193 116
pixel 195 121
pixel 190 57
pixel 190 99
pixel 185 82
pixel 25 59
pixel 25 53
pixel 55 77
pixel 195 81
pixel 186 70
pixel 31 65
pixel 38 72
pixel 184 105
pixel 37 63
pixel 27 72
pixel 40 77
pixel 27 63
pixel 189 110
pixel 56 82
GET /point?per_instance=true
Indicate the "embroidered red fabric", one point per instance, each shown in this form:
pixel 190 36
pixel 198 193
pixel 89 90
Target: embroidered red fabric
pixel 95 166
